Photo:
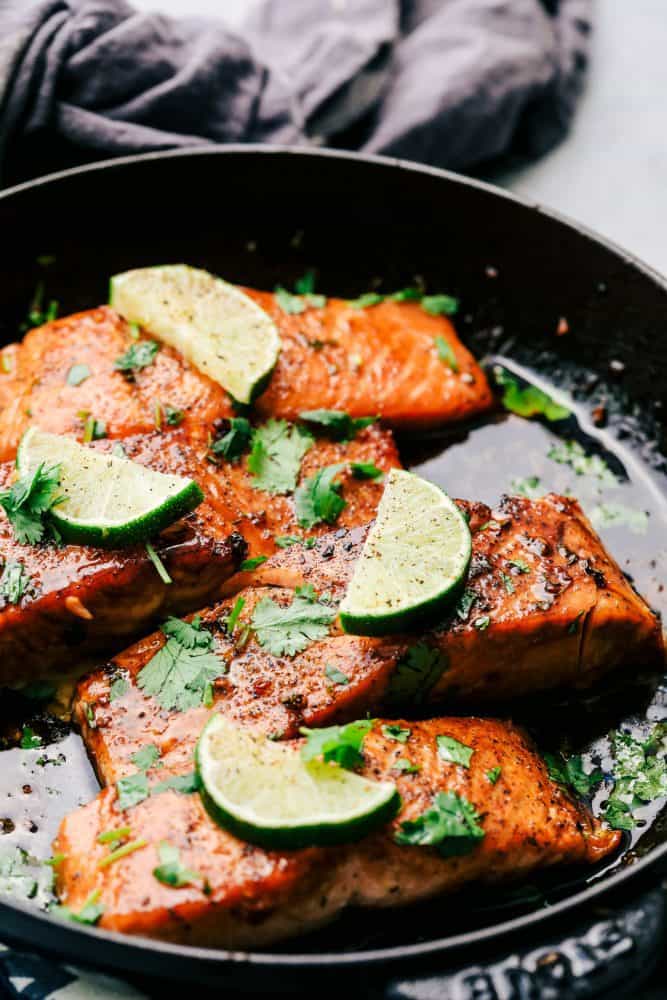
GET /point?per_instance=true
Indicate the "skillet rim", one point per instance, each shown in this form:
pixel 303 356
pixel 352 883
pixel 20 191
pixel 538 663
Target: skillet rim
pixel 50 927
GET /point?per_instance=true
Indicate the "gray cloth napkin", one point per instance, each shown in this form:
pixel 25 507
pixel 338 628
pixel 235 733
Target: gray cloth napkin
pixel 448 82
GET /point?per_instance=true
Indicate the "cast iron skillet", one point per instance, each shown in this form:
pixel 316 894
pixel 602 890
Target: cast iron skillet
pixel 260 216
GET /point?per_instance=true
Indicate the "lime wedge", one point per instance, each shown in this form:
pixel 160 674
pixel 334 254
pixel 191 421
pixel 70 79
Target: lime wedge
pixel 214 325
pixel 264 792
pixel 413 562
pixel 108 501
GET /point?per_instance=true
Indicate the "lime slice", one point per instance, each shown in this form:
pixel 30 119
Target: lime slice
pixel 214 325
pixel 108 501
pixel 264 792
pixel 413 562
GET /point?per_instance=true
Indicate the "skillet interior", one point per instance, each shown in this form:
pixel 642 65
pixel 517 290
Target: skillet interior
pixel 261 217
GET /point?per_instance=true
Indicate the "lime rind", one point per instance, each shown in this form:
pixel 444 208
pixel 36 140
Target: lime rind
pixel 108 501
pixel 264 792
pixel 213 324
pixel 413 563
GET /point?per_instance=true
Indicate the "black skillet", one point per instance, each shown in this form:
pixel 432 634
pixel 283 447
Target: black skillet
pixel 549 300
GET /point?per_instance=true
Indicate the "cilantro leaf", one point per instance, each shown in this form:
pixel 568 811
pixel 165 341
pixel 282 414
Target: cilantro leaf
pixel 335 675
pixel 146 757
pixel 573 454
pixel 453 751
pixel 170 871
pixel 365 300
pixel 305 285
pixel 395 732
pixel 249 564
pixel 465 603
pixel 618 814
pixel 23 877
pixel 336 744
pixel 416 673
pixel 508 583
pixel 286 541
pixel 365 470
pixel 405 766
pixel 451 824
pixel 132 790
pixel 527 487
pixel 90 912
pixel 234 615
pixel 232 445
pixel 183 783
pixel 606 515
pixel 137 356
pixel 285 631
pixel 340 425
pixel 180 674
pixel 482 623
pixel 292 304
pixel 440 305
pixel 571 773
pixel 93 430
pixel 15 581
pixel 118 687
pixel 28 501
pixel 30 740
pixel 172 416
pixel 77 374
pixel 275 456
pixel 519 565
pixel 446 354
pixel 528 401
pixel 493 775
pixel 318 499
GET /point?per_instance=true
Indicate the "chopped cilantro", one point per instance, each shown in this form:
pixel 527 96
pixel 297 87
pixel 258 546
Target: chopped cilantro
pixel 493 775
pixel 337 423
pixel 573 454
pixel 234 614
pixel 608 515
pixel 77 374
pixel 440 305
pixel 178 675
pixel 275 456
pixel 318 499
pixel 93 430
pixel 508 583
pixel 394 732
pixel 183 783
pixel 30 740
pixel 118 687
pixel 159 565
pixel 15 581
pixel 113 836
pixel 527 487
pixel 37 315
pixel 336 744
pixel 28 501
pixel 482 623
pixel 132 790
pixel 170 871
pixel 24 877
pixel 571 773
pixel 90 912
pixel 249 564
pixel 446 353
pixel 618 814
pixel 137 356
pixel 366 300
pixel 405 766
pixel 453 751
pixel 292 304
pixel 146 757
pixel 365 470
pixel 237 439
pixel 519 565
pixel 284 631
pixel 528 401
pixel 285 541
pixel 305 285
pixel 640 775
pixel 334 675
pixel 416 673
pixel 172 416
pixel 465 603
pixel 451 824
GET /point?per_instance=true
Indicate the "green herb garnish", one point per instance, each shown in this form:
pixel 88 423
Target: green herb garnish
pixel 570 773
pixel 113 836
pixel 453 751
pixel 440 305
pixel 121 852
pixel 335 675
pixel 284 631
pixel 482 623
pixel 160 567
pixel 405 766
pixel 528 401
pixel 608 515
pixel 28 501
pixel 493 775
pixel 508 583
pixel 118 687
pixel 336 744
pixel 249 564
pixel 93 430
pixel 365 470
pixel 519 565
pixel 132 790
pixel 170 871
pixel 465 603
pixel 318 499
pixel 294 304
pixel 394 732
pixel 137 356
pixel 446 353
pixel 528 487
pixel 237 439
pixel 78 374
pixel 180 673
pixel 233 618
pixel 146 757
pixel 90 912
pixel 276 454
pixel 451 824
pixel 30 740
pixel 338 424
pixel 15 581
pixel 172 416
pixel 573 454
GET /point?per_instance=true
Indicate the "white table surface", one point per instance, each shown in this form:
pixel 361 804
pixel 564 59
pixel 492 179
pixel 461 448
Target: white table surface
pixel 611 171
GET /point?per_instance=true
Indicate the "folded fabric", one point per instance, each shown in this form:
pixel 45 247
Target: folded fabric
pixel 447 82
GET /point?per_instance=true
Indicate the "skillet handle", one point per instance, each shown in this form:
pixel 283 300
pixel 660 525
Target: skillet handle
pixel 618 945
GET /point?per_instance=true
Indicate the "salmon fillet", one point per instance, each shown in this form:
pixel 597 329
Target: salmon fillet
pixel 246 897
pixel 544 607
pixel 80 598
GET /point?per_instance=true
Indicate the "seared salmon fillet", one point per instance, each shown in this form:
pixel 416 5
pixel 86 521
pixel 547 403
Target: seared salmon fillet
pixel 544 607
pixel 245 896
